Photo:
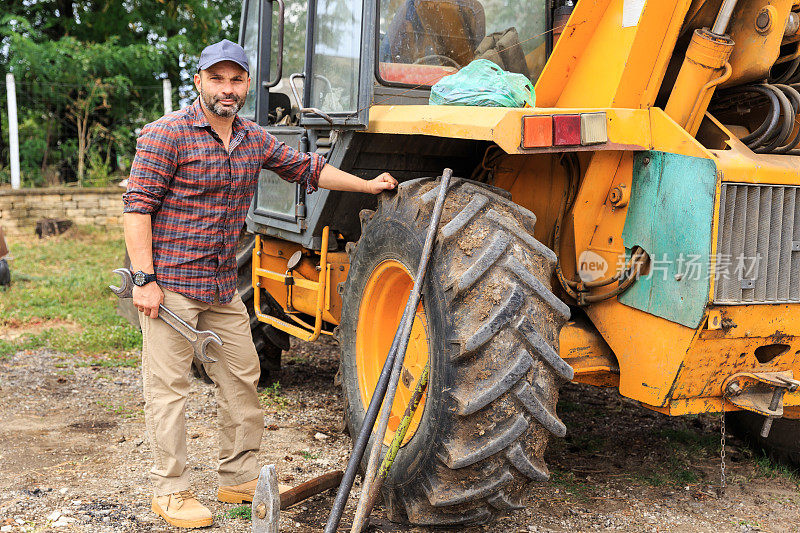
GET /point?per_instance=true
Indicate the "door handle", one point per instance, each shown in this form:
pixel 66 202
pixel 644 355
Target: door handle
pixel 297 99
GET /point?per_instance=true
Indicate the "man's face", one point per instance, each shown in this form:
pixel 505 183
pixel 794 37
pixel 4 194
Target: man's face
pixel 223 88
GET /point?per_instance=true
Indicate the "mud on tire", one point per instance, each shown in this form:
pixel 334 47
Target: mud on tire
pixel 493 327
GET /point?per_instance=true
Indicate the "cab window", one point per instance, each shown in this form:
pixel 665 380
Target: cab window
pixel 422 41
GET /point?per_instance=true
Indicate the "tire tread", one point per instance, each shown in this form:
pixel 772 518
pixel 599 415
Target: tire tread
pixel 499 423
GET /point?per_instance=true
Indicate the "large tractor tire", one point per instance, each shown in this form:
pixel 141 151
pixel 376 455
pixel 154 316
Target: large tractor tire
pixel 488 325
pixel 782 443
pixel 269 342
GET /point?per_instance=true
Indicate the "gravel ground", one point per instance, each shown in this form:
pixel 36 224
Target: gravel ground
pixel 74 457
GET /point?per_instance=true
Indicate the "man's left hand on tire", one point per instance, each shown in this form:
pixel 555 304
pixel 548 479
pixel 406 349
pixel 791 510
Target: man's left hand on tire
pixel 384 182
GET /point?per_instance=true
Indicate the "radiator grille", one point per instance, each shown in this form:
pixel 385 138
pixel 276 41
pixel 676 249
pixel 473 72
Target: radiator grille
pixel 758 248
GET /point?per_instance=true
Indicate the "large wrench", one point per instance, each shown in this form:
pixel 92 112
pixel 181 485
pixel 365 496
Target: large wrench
pixel 198 339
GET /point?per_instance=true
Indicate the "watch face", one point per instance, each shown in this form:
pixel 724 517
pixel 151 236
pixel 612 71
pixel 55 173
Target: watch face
pixel 138 278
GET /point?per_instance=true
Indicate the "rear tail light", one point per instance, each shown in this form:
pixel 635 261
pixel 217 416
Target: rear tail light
pixel 593 128
pixel 537 131
pixel 566 130
pixel 543 131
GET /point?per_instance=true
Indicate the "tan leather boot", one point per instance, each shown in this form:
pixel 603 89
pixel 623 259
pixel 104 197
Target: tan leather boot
pixel 182 509
pixel 238 493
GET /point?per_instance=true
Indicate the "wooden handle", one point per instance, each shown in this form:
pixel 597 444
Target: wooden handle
pixel 310 488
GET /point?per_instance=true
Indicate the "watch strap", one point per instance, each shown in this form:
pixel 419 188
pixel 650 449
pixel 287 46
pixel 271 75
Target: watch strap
pixel 145 278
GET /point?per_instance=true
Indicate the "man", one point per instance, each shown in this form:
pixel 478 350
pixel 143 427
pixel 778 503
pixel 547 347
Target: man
pixel 191 183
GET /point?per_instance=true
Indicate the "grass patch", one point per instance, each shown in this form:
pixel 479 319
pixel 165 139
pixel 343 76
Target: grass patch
pixel 298 360
pixel 684 476
pixel 674 471
pixel 65 279
pixel 572 487
pixel 690 440
pixel 271 395
pixel 749 523
pixel 309 456
pixel 242 512
pixel 587 442
pixel 119 409
pixel 8 348
pixel 566 406
pixel 768 468
pixel 654 479
pixel 114 362
pixel 674 477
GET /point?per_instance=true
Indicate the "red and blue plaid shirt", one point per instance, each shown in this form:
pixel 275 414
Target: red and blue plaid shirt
pixel 198 195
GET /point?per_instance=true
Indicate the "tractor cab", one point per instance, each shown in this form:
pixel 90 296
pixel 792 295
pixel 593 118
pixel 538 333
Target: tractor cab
pixel 330 60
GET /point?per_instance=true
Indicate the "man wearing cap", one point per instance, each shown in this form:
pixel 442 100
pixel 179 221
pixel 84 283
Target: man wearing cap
pixel 191 183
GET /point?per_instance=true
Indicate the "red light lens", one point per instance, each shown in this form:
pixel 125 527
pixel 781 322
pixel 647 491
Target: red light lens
pixel 566 130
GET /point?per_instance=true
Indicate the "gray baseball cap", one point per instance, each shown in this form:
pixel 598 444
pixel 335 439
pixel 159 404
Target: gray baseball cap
pixel 224 50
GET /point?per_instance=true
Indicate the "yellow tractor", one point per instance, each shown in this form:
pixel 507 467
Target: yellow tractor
pixel 638 228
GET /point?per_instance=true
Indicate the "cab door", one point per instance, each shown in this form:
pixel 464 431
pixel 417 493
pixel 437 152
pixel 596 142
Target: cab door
pixel 318 52
pixel 262 34
pixel 338 64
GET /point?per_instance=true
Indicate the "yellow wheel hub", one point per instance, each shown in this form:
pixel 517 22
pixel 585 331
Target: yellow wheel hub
pixel 382 306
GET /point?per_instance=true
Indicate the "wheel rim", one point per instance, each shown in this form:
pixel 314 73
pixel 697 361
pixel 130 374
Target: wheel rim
pixel 381 309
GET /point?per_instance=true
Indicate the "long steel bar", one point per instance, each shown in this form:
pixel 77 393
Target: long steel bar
pixel 383 423
pixel 388 366
pixel 388 460
pixel 363 436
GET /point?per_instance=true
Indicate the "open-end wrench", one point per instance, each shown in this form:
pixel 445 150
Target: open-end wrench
pixel 198 339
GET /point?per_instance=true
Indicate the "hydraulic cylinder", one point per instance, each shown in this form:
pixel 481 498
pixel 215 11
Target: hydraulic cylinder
pixel 704 67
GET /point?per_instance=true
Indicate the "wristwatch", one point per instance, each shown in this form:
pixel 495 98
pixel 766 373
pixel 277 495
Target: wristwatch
pixel 141 279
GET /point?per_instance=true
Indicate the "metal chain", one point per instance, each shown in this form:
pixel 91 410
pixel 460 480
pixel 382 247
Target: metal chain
pixel 723 480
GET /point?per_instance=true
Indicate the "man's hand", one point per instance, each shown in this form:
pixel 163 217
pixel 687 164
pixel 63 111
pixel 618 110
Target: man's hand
pixel 384 182
pixel 148 298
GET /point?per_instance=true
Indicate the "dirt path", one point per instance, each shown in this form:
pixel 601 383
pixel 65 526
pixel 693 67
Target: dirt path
pixel 74 457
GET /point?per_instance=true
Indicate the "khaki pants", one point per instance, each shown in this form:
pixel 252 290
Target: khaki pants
pixel 166 374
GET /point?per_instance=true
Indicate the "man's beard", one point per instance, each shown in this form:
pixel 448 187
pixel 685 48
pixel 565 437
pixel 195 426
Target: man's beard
pixel 213 104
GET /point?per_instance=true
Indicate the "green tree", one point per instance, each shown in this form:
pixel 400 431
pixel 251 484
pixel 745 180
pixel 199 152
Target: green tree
pixel 89 71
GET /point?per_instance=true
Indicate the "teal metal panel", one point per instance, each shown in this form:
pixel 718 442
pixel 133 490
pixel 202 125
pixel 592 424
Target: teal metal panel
pixel 670 215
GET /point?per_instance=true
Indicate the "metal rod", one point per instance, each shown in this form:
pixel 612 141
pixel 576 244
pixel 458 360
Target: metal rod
pixel 375 453
pixel 13 131
pixel 387 371
pixel 166 88
pixel 777 396
pixel 388 460
pixel 723 17
pixel 268 84
pixel 363 436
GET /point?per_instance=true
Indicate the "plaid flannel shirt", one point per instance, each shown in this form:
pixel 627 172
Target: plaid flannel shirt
pixel 198 195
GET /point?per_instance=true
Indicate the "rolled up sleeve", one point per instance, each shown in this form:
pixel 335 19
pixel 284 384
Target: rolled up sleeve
pixel 152 169
pixel 292 165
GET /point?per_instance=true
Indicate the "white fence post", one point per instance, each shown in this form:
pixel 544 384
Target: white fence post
pixel 13 131
pixel 167 96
